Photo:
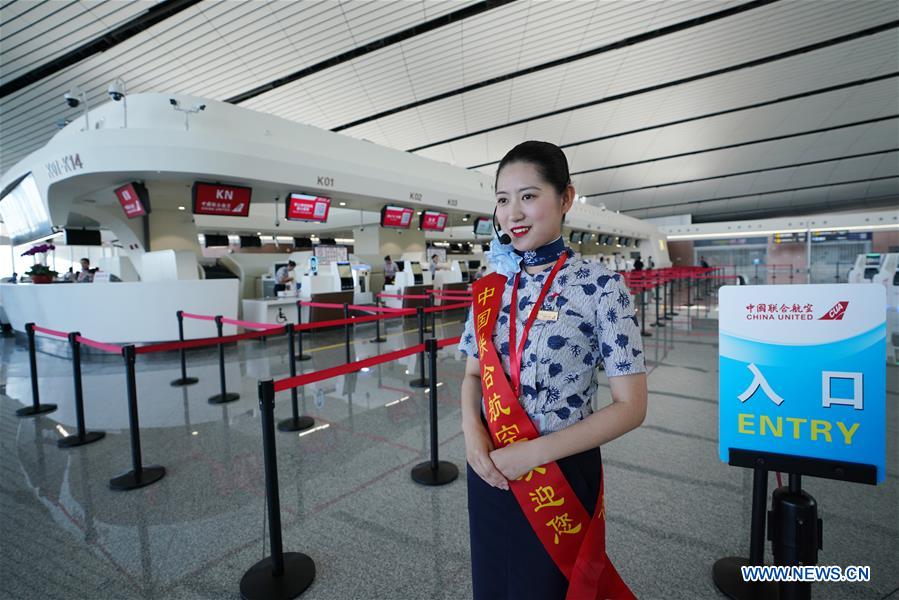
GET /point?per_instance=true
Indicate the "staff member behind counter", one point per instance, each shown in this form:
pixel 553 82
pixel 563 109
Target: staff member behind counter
pixel 284 276
pixel 539 329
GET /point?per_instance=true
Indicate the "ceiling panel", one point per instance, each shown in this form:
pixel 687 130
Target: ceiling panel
pixel 221 48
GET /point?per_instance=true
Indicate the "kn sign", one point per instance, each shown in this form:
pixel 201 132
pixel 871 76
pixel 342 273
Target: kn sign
pixel 802 371
pixel 221 200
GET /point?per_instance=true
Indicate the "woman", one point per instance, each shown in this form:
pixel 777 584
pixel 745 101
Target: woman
pixel 539 328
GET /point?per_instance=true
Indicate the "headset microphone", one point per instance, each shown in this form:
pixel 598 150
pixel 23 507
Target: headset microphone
pixel 503 237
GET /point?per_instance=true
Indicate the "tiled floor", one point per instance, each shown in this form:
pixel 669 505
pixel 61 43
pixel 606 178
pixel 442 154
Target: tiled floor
pixel 346 493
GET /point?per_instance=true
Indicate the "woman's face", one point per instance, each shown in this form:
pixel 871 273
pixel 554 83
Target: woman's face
pixel 528 208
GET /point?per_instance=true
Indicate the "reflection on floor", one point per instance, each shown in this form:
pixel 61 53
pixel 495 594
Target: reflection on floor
pixel 346 494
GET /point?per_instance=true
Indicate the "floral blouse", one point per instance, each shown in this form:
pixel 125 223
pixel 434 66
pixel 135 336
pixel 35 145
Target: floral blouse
pixel 596 324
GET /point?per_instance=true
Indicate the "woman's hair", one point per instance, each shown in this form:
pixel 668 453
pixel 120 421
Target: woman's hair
pixel 548 159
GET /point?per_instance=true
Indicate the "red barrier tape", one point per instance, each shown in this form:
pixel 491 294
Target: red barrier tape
pixel 468 291
pixel 292 382
pixel 198 317
pixel 321 304
pixel 448 342
pixel 251 325
pixel 50 331
pixel 202 342
pixel 112 348
pixel 338 322
pixel 409 296
pixel 447 307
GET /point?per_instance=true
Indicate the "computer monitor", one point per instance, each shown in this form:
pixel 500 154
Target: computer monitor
pixel 474 264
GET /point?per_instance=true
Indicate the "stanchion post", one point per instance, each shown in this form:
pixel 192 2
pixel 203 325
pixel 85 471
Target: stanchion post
pixel 184 380
pixel 300 355
pixel 434 471
pixel 658 322
pixel 224 396
pixel 665 281
pixel 346 332
pixel 36 407
pixel 295 422
pixel 421 382
pixel 139 475
pixel 643 331
pixel 83 436
pixel 726 572
pixel 671 311
pixel 378 339
pixel 280 575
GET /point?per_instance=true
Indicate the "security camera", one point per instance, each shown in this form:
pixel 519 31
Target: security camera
pixel 71 100
pixel 173 102
pixel 199 107
pixel 115 91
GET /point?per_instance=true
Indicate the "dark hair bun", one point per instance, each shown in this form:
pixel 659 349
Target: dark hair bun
pixel 547 158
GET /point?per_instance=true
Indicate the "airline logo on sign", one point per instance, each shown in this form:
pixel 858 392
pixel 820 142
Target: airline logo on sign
pixel 433 221
pixel 801 374
pixel 221 200
pixel 130 202
pixel 394 216
pixel 836 313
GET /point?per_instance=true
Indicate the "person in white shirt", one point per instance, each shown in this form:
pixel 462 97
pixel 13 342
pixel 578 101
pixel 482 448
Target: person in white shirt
pixel 284 277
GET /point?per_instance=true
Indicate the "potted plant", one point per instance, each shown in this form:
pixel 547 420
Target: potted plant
pixel 40 272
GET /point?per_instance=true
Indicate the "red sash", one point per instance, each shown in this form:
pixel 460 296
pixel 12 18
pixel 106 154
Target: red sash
pixel 575 541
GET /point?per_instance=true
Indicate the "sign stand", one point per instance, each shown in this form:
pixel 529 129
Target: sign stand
pixel 802 392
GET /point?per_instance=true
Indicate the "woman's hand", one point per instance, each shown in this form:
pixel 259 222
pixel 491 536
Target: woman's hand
pixel 478 447
pixel 515 460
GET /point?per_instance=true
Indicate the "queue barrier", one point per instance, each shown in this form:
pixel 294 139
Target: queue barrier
pixel 140 475
pixel 288 574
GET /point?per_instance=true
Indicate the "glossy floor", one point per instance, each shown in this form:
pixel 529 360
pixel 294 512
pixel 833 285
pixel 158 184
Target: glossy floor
pixel 346 493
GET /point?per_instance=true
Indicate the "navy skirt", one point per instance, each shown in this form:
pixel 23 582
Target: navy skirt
pixel 507 559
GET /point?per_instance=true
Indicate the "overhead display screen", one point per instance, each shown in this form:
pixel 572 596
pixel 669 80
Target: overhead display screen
pixel 397 217
pixel 134 199
pixel 432 221
pixel 221 200
pixel 301 207
pixel 483 226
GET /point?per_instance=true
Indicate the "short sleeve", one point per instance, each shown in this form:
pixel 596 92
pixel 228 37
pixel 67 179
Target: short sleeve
pixel 467 343
pixel 621 347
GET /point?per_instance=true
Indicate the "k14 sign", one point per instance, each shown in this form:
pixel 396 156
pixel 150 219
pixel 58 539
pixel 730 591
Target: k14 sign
pixel 802 371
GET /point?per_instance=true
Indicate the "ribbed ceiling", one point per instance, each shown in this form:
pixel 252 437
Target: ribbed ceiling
pixel 722 110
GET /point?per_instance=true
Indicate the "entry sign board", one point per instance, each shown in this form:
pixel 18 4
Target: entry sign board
pixel 803 371
pixel 129 196
pixel 221 200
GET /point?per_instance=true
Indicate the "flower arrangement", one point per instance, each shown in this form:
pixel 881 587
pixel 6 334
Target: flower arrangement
pixel 39 249
pixel 40 271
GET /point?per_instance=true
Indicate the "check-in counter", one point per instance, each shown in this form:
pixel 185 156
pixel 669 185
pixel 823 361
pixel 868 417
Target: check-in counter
pixel 121 312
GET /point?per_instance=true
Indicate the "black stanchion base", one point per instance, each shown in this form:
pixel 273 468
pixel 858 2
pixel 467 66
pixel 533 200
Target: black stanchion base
pixel 30 411
pixel 646 333
pixel 419 383
pixel 666 318
pixel 184 381
pixel 446 472
pixel 259 583
pixel 137 479
pixel 673 314
pixel 729 581
pixel 70 441
pixel 302 357
pixel 296 424
pixel 378 340
pixel 223 398
pixel 656 324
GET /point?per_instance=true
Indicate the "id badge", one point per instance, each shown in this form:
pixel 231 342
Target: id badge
pixel 548 315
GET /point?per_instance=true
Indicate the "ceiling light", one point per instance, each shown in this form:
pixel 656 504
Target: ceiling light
pixel 342 203
pixel 181 208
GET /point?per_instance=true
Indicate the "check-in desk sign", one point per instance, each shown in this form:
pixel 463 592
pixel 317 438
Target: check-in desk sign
pixel 803 376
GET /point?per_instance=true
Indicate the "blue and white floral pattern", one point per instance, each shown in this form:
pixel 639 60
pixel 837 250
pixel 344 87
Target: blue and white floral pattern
pixel 596 324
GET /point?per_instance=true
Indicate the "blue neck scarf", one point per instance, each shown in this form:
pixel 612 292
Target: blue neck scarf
pixel 543 255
